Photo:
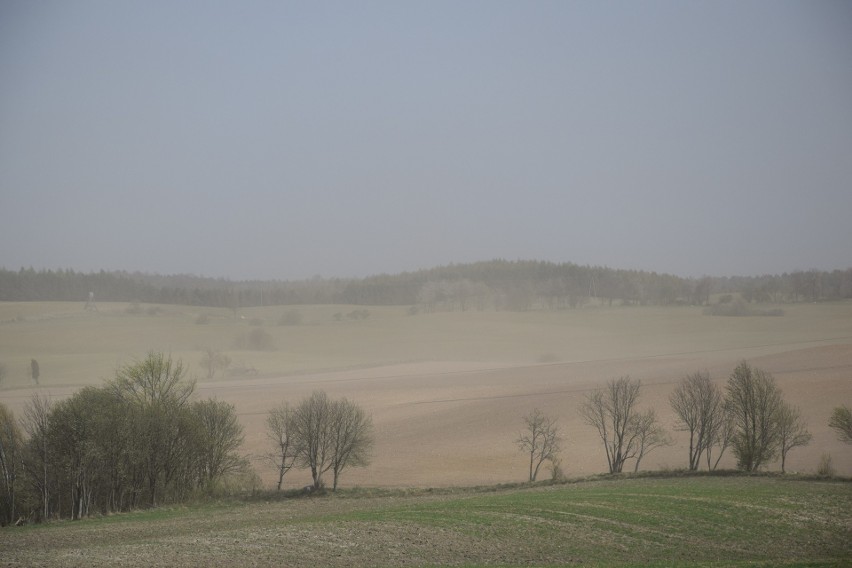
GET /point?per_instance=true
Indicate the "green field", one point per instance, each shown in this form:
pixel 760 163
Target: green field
pixel 658 521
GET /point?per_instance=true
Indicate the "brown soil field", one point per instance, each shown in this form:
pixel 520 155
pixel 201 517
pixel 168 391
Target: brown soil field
pixel 454 423
pixel 441 425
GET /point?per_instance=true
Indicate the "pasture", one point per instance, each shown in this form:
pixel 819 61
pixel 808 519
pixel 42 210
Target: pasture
pixel 718 521
pixel 447 391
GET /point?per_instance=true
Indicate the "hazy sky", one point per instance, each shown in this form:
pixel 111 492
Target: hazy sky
pixel 287 139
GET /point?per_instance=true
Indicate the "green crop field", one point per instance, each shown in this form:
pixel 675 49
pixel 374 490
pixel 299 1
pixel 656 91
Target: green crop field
pixel 657 521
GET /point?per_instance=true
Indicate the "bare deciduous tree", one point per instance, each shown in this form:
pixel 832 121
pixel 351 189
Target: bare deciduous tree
pixel 841 422
pixel 698 404
pixel 311 420
pixel 720 434
pixel 279 430
pixel 540 440
pixel 649 434
pixel 10 449
pixel 793 431
pixel 330 435
pixel 213 361
pixel 36 424
pixel 219 438
pixel 755 403
pixel 611 411
pixel 352 437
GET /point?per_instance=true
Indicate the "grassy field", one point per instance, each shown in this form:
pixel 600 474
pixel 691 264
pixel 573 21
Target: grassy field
pixel 648 521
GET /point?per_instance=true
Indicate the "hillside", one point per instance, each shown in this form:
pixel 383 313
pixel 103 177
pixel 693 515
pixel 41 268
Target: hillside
pixel 719 521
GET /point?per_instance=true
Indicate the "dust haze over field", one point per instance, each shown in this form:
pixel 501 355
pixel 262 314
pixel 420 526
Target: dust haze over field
pixel 447 391
pixel 279 141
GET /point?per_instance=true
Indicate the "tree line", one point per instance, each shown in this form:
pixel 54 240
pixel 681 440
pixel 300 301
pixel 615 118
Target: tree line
pixel 141 441
pixel 495 284
pixel 138 440
pixel 749 416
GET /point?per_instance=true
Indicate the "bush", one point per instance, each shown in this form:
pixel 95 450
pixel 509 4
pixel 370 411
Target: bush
pixel 134 308
pixel 738 309
pixel 290 317
pixel 202 319
pixel 257 339
pixel 825 467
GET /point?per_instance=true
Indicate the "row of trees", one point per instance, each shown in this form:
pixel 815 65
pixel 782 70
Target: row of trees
pixel 138 440
pixel 749 416
pixel 496 284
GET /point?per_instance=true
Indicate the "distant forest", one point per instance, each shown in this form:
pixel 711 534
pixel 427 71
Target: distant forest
pixel 496 284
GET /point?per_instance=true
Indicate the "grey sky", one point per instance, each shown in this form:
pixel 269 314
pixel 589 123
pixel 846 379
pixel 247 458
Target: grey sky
pixel 287 139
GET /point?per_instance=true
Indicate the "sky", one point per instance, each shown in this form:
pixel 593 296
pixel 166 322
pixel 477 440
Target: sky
pixel 284 140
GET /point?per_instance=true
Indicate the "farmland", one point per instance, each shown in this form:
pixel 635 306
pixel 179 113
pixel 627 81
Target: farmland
pixel 664 521
pixel 447 390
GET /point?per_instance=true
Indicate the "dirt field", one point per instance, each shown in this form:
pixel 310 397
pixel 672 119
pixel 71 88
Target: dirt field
pixel 452 419
pixel 444 425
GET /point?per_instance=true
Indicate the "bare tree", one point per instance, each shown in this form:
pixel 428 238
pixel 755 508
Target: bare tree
pixel 540 439
pixel 213 361
pixel 351 437
pixel 311 429
pixel 611 411
pixel 793 431
pixel 649 434
pixel 36 424
pixel 220 436
pixel 330 435
pixel 720 434
pixel 755 402
pixel 279 430
pixel 698 404
pixel 841 422
pixel 10 449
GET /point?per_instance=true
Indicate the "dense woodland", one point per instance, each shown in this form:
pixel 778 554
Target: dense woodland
pixel 496 284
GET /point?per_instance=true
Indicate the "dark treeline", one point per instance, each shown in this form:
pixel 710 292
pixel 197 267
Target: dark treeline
pixel 496 284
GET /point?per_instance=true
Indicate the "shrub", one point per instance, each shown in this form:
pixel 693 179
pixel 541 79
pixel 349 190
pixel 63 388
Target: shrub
pixel 257 339
pixel 738 309
pixel 202 319
pixel 290 317
pixel 825 467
